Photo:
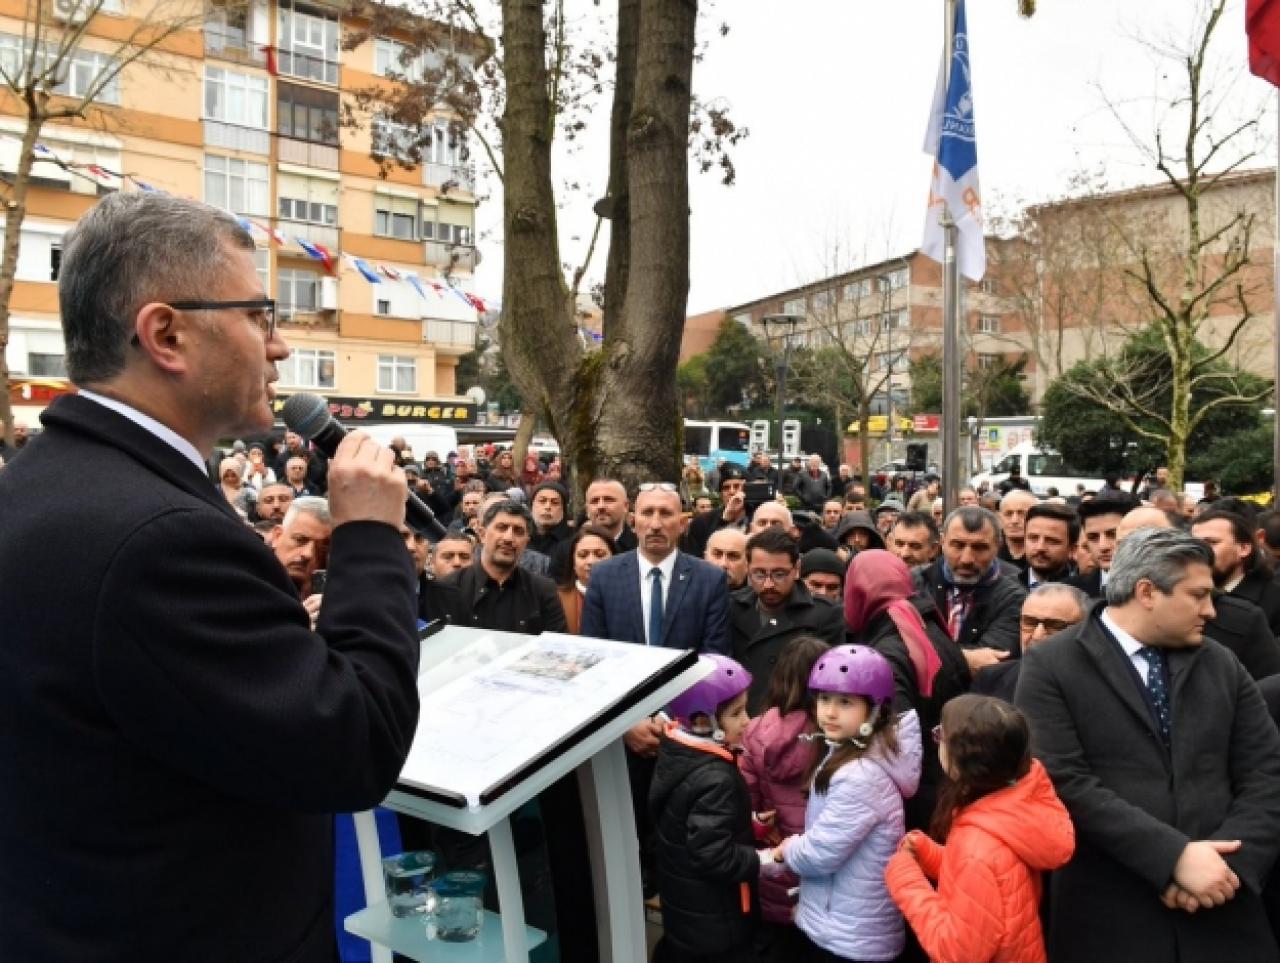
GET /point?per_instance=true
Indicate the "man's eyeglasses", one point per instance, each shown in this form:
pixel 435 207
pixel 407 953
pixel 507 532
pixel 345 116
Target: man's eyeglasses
pixel 777 576
pixel 262 311
pixel 1051 626
pixel 657 487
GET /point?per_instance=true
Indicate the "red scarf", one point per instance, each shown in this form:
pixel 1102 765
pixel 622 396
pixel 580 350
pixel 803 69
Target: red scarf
pixel 878 581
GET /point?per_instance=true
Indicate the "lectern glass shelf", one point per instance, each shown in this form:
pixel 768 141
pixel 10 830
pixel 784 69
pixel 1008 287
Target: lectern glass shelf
pixel 503 716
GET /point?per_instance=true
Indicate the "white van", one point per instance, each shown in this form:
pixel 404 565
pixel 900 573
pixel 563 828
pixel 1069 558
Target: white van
pixel 421 437
pixel 1043 469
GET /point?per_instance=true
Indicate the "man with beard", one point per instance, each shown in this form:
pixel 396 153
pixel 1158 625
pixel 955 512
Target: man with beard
pixel 732 513
pixel 1238 569
pixel 727 551
pixel 1050 533
pixel 548 503
pixel 273 501
pixel 978 601
pixel 774 608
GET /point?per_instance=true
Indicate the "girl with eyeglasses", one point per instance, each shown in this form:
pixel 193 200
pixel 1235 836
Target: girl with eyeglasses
pixel 999 825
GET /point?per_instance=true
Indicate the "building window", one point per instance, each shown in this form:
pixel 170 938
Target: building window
pixel 895 280
pixel 55 260
pixel 856 290
pixel 307 368
pixel 793 306
pixel 391 139
pixel 262 264
pixel 235 98
pixel 389 61
pixel 312 212
pixel 445 143
pixel 298 291
pixel 397 374
pixel 989 324
pixel 891 361
pixel 823 300
pixel 305 113
pixel 987 285
pixel 988 361
pixel 308 44
pixel 446 233
pixel 47 365
pixel 395 216
pixel 81 70
pixel 384 306
pixel 893 321
pixel 236 185
pixel 226 24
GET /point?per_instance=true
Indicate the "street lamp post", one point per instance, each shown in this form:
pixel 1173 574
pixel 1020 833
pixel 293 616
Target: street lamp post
pixel 781 326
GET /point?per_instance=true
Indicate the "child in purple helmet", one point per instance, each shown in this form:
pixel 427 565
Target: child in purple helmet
pixel 854 817
pixel 705 849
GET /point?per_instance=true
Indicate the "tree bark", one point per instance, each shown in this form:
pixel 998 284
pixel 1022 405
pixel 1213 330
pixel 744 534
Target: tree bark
pixel 639 426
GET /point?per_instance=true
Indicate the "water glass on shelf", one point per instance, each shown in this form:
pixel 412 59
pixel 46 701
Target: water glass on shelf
pixel 458 908
pixel 407 877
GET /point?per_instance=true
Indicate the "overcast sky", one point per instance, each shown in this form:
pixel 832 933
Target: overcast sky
pixel 836 94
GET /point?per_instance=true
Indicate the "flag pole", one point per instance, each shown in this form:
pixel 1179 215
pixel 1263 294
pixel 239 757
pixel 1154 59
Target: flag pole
pixel 1275 326
pixel 952 367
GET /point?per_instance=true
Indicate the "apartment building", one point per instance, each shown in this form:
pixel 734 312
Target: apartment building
pixel 889 312
pixel 371 269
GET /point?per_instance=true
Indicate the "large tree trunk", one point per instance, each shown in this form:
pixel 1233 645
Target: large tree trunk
pixel 15 212
pixel 614 412
pixel 639 425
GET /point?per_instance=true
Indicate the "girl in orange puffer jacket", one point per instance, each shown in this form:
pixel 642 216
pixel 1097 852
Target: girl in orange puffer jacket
pixel 1002 824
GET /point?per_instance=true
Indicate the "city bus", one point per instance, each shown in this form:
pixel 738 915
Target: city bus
pixel 712 442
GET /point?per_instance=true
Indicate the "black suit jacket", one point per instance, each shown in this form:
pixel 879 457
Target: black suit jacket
pixel 1261 589
pixel 757 646
pixel 175 736
pixel 1090 585
pixel 1135 805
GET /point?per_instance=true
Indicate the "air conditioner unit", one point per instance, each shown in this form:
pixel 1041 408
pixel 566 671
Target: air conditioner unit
pixel 328 294
pixel 74 11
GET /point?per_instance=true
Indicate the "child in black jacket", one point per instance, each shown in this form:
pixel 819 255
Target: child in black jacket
pixel 706 854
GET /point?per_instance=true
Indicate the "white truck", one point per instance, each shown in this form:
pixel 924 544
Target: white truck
pixel 1043 469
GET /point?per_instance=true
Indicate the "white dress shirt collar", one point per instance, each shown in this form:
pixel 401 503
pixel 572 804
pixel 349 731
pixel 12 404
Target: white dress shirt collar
pixel 161 431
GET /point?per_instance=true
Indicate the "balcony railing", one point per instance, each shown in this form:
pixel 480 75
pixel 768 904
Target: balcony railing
pixel 234 137
pixel 308 154
pixel 459 257
pixel 452 334
pixel 315 233
pixel 308 66
pixel 458 176
pixel 230 43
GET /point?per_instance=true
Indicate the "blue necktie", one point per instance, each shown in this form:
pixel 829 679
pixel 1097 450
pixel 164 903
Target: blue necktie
pixel 655 607
pixel 1158 686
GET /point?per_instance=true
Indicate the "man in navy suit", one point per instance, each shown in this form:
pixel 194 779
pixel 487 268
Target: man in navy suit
pixel 656 595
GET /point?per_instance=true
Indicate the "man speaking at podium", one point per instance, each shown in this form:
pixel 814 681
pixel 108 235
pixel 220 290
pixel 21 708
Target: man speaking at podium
pixel 174 735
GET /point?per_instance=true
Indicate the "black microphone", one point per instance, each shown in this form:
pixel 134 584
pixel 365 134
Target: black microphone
pixel 308 415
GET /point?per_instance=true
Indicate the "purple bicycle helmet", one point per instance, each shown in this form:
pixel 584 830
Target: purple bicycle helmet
pixel 854 670
pixel 727 680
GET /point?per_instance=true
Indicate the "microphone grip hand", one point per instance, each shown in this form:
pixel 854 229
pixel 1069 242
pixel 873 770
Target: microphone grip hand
pixel 365 483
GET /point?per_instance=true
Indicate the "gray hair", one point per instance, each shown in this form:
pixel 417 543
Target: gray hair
pixel 1159 555
pixel 317 508
pixel 1015 493
pixel 1058 588
pixel 128 250
pixel 974 518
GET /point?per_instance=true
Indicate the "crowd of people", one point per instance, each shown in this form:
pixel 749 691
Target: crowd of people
pixel 1050 646
pixel 1024 729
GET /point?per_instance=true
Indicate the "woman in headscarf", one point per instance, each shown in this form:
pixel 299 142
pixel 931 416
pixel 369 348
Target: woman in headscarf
pixel 882 610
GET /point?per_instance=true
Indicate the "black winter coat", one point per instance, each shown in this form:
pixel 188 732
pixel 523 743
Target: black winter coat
pixel 757 646
pixel 993 619
pixel 704 848
pixel 952 680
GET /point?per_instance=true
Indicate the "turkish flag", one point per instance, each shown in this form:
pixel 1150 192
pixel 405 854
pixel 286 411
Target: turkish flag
pixel 1262 24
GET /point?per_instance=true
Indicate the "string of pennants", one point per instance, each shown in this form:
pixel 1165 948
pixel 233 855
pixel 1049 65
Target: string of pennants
pixel 330 260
